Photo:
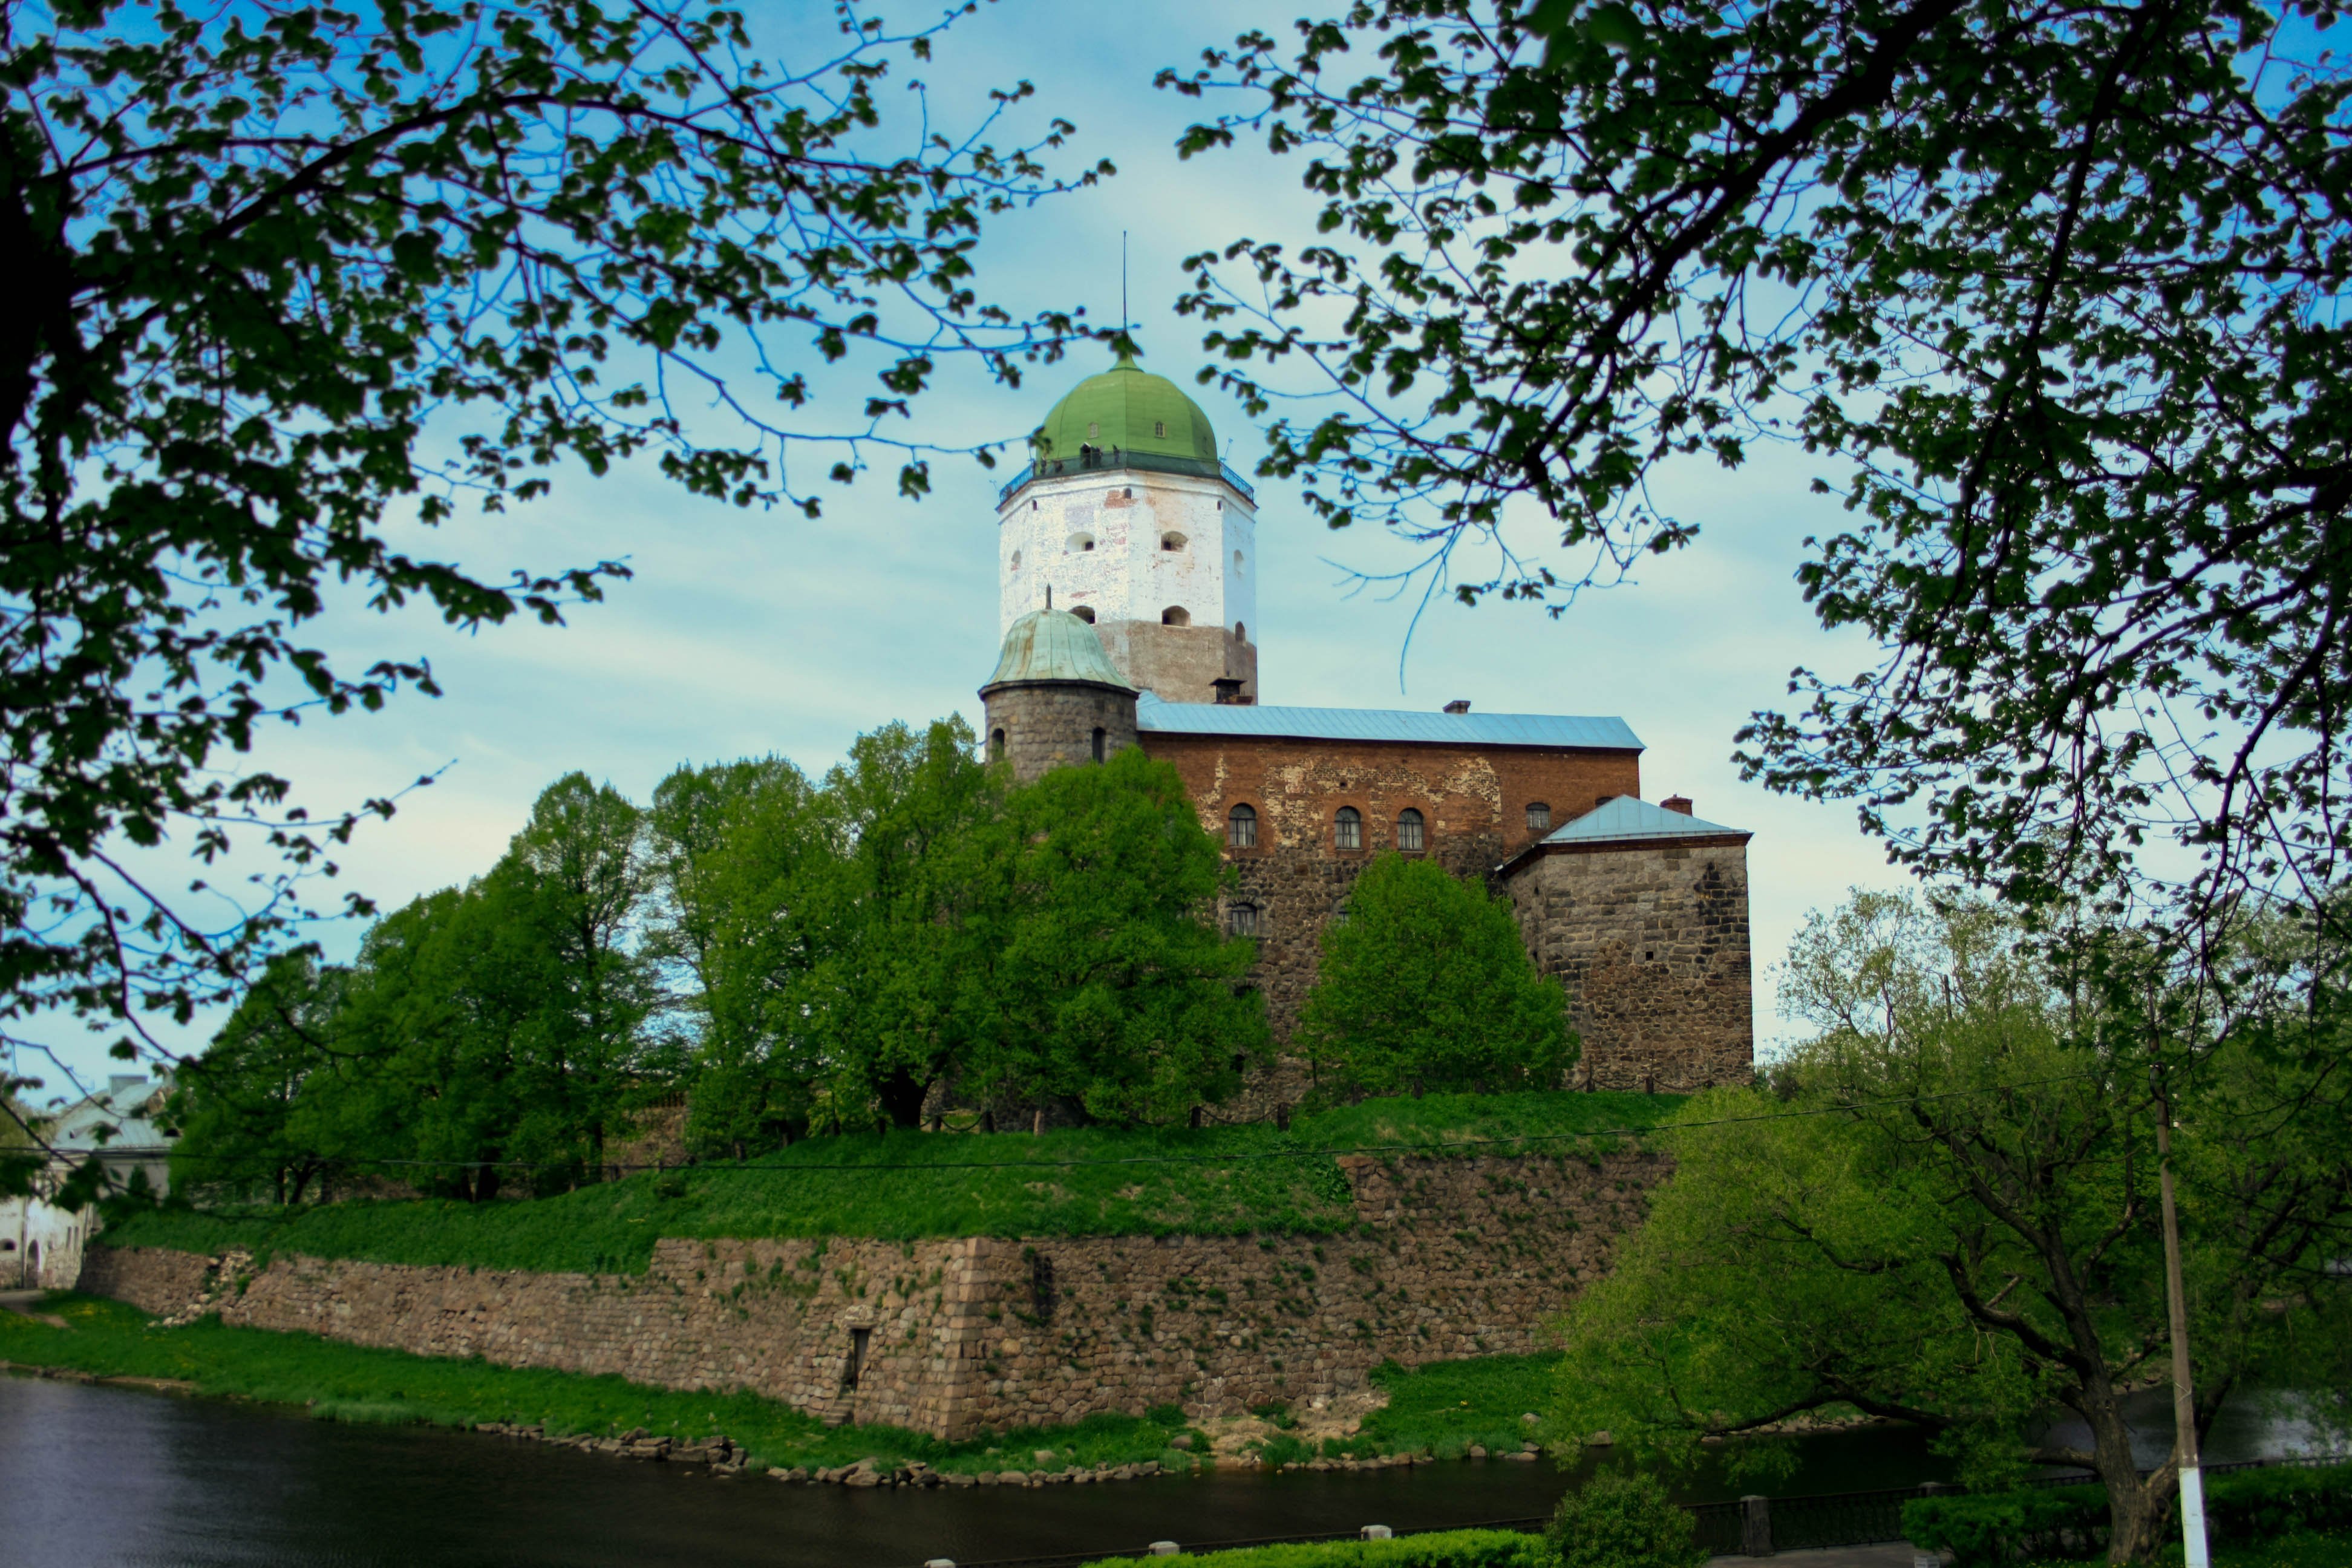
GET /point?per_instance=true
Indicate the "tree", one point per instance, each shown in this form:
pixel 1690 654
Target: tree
pixel 240 1108
pixel 1088 967
pixel 284 273
pixel 1942 1210
pixel 735 847
pixel 1619 1520
pixel 2047 287
pixel 1426 984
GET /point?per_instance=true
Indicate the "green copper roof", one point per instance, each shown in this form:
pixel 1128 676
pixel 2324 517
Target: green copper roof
pixel 1129 408
pixel 1055 645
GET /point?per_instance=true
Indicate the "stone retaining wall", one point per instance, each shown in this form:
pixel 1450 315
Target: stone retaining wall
pixel 1449 1257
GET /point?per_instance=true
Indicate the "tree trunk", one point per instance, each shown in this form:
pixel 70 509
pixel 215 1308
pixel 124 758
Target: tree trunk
pixel 2137 1513
pixel 902 1099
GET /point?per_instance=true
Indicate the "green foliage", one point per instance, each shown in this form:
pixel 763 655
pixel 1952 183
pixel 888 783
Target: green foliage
pixel 486 1028
pixel 353 1382
pixel 1991 1529
pixel 1426 985
pixel 1944 1209
pixel 265 252
pixel 1445 1549
pixel 1617 1519
pixel 1088 970
pixel 1448 1407
pixel 1143 1181
pixel 1999 268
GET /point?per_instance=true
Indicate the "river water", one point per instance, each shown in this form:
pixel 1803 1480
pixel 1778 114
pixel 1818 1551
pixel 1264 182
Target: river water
pixel 110 1477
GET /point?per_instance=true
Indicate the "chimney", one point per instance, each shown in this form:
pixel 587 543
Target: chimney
pixel 1229 691
pixel 1459 705
pixel 1676 802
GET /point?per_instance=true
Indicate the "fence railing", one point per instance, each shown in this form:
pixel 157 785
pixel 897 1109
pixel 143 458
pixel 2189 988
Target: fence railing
pixel 1111 459
pixel 1752 1526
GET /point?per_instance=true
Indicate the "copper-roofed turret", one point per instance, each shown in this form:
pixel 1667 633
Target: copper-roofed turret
pixel 1055 698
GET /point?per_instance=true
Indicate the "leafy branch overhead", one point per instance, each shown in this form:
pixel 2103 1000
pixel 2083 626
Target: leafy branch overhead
pixel 2054 291
pixel 283 269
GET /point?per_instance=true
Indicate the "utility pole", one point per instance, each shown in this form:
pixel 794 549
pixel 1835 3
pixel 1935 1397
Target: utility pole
pixel 2184 1404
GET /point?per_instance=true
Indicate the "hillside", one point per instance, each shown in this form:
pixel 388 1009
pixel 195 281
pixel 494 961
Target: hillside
pixel 1090 1182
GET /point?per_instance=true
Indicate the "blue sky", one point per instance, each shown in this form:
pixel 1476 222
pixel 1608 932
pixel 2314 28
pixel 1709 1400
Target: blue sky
pixel 747 632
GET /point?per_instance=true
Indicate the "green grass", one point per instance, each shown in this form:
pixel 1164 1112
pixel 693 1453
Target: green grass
pixel 2306 1549
pixel 351 1382
pixel 1442 1407
pixel 1148 1182
pixel 1444 1549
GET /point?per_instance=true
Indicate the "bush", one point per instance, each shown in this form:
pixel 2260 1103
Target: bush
pixel 1998 1528
pixel 1619 1520
pixel 1448 1549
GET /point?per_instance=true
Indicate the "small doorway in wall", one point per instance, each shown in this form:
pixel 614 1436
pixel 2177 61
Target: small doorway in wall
pixel 858 1341
pixel 1100 737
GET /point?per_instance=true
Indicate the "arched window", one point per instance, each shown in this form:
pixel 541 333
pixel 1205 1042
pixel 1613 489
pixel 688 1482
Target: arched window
pixel 1094 431
pixel 1172 542
pixel 1347 829
pixel 1079 541
pixel 1100 736
pixel 1175 616
pixel 1160 428
pixel 1241 827
pixel 1240 920
pixel 1016 561
pixel 1409 837
pixel 1237 563
pixel 1084 612
pixel 1241 631
pixel 996 745
pixel 1538 817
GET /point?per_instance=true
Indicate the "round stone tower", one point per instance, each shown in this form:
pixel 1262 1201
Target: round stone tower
pixel 1130 520
pixel 1055 698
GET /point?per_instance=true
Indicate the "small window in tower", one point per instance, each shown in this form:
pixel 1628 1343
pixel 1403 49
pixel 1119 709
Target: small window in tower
pixel 1084 612
pixel 1032 506
pixel 1016 561
pixel 1159 428
pixel 1409 825
pixel 996 745
pixel 1237 563
pixel 1094 431
pixel 1241 827
pixel 1172 542
pixel 1175 616
pixel 1538 817
pixel 1100 735
pixel 1347 829
pixel 1241 631
pixel 1079 543
pixel 1240 920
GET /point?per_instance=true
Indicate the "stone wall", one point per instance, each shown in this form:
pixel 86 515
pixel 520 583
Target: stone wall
pixel 1652 943
pixel 1181 664
pixel 1448 1257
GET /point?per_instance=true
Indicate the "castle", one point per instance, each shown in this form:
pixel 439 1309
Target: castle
pixel 1127 589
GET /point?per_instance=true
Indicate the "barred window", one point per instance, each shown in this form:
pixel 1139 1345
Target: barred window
pixel 1538 817
pixel 1240 920
pixel 1241 827
pixel 1409 830
pixel 1347 829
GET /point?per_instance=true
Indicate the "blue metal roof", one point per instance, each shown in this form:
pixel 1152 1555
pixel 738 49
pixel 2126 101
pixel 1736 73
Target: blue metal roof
pixel 1626 817
pixel 1154 715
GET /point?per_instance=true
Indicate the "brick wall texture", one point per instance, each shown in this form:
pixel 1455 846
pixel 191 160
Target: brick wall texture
pixel 1652 943
pixel 1449 1257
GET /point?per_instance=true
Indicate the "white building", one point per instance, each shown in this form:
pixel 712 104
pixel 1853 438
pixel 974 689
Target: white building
pixel 40 1243
pixel 1128 519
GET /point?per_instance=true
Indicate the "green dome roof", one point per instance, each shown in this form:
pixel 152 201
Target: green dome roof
pixel 1055 645
pixel 1128 407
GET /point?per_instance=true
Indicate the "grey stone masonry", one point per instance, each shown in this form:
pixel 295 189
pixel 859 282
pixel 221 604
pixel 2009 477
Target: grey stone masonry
pixel 1446 1258
pixel 1651 940
pixel 1038 725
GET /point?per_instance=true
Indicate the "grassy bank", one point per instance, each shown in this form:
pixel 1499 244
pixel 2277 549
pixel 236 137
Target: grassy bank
pixel 1498 1548
pixel 1087 1182
pixel 353 1383
pixel 1445 1408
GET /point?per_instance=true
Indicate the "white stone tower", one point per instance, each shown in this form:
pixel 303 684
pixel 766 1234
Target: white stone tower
pixel 1129 517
